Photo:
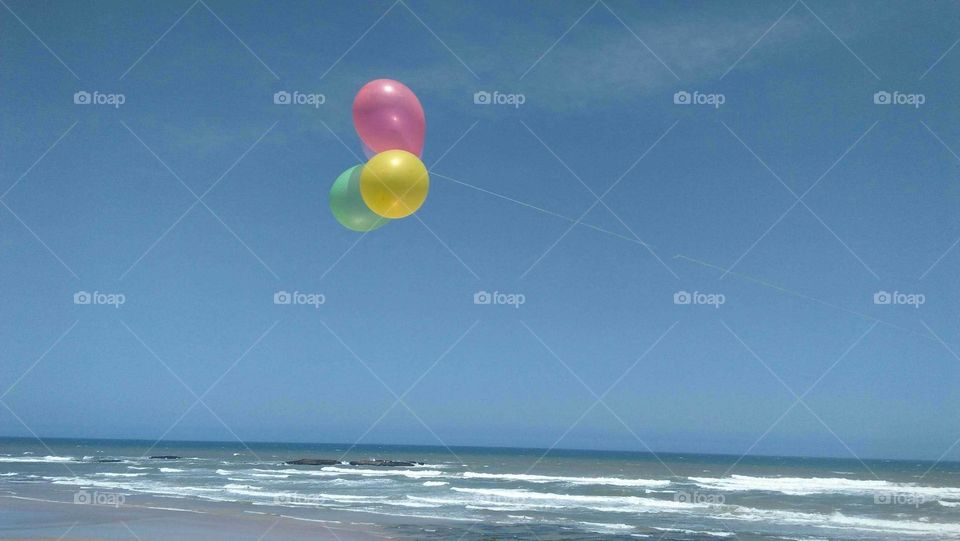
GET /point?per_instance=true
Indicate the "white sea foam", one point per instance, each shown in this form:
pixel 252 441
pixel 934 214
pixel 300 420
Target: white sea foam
pixel 177 509
pixel 332 471
pixel 362 482
pixel 256 472
pixel 521 501
pixel 416 515
pixel 412 503
pixel 26 498
pixel 486 503
pixel 170 470
pixel 500 508
pixel 311 519
pixel 602 527
pixel 37 459
pixel 535 500
pixel 144 486
pixel 412 474
pixel 351 497
pixel 695 532
pixel 529 478
pixel 839 521
pixel 332 477
pixel 294 499
pixel 503 499
pixel 240 487
pixel 270 475
pixel 307 473
pixel 279 498
pixel 805 486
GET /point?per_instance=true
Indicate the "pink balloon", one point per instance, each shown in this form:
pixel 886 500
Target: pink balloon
pixel 388 116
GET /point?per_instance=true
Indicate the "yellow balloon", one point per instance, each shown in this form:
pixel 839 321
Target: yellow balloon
pixel 394 183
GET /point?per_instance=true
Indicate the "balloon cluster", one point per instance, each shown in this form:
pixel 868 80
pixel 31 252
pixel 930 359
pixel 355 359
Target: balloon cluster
pixel 393 183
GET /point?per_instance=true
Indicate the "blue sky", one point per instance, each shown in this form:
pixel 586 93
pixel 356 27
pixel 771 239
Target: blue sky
pixel 97 199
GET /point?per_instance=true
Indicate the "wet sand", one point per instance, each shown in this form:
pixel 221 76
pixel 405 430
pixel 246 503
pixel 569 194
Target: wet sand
pixel 41 519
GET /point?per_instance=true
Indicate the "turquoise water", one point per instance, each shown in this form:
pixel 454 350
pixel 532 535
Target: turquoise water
pixel 483 493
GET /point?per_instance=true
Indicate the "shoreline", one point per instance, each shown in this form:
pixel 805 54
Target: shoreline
pixel 34 518
pixel 218 493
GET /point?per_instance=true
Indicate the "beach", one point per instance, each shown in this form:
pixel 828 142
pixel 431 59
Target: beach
pixel 142 517
pixel 208 491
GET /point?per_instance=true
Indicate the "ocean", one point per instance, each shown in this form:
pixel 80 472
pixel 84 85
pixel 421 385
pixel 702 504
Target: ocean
pixel 473 493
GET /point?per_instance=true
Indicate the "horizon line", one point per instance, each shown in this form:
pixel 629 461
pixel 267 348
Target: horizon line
pixel 492 447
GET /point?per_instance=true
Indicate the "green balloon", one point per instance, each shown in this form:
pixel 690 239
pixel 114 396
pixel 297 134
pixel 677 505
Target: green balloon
pixel 347 204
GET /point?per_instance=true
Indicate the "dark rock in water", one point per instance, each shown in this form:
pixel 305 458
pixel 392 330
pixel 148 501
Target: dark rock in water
pixel 166 457
pixel 102 460
pixel 313 462
pixel 390 463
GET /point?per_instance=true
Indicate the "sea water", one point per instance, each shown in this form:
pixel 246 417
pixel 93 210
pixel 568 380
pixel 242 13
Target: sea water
pixel 484 493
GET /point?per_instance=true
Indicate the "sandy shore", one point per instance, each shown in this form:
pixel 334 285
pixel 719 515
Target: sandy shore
pixel 144 519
